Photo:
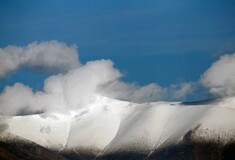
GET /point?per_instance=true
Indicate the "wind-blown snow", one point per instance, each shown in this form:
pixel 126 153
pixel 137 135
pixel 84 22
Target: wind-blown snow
pixel 110 125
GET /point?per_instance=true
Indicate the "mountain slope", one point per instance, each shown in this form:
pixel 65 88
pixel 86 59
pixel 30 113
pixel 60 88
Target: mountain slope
pixel 17 148
pixel 110 127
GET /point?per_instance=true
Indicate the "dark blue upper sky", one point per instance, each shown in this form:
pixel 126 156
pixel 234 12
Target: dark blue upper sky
pixel 162 41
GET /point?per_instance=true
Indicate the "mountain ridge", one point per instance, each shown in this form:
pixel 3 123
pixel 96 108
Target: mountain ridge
pixel 108 126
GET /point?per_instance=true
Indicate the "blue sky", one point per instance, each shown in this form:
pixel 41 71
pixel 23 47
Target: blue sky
pixel 161 41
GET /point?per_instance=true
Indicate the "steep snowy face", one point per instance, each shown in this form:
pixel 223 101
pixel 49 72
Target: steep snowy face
pixel 50 130
pixel 109 125
pixel 97 125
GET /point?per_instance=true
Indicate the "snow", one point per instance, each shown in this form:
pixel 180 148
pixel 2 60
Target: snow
pixel 110 125
pixel 49 132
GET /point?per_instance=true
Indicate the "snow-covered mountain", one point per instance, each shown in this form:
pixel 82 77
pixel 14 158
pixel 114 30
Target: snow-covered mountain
pixel 109 127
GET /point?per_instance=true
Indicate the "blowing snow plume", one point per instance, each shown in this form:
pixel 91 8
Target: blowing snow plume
pixel 74 88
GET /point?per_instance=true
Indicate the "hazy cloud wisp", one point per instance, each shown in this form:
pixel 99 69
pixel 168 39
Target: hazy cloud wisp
pixel 148 93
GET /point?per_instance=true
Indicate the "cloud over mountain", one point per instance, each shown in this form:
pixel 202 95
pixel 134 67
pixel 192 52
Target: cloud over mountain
pixel 148 93
pixel 61 92
pixel 76 85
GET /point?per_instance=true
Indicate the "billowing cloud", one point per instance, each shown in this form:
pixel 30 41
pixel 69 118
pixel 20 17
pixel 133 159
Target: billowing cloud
pixel 67 91
pixel 51 55
pixel 75 88
pixel 16 98
pixel 220 77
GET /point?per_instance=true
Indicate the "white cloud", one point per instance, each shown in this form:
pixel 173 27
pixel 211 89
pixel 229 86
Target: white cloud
pixel 132 92
pixel 149 93
pixel 15 98
pixel 67 91
pixel 220 77
pixel 75 88
pixel 180 90
pixel 51 55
